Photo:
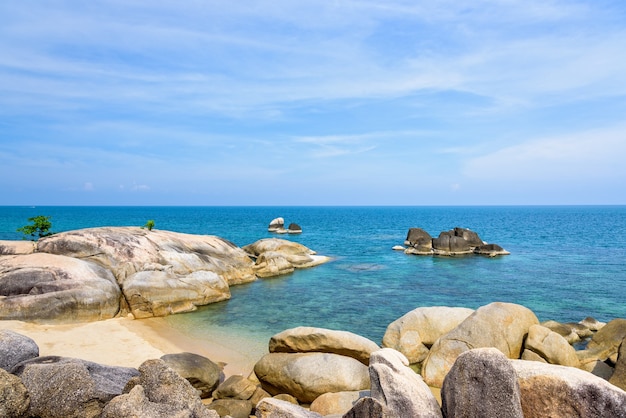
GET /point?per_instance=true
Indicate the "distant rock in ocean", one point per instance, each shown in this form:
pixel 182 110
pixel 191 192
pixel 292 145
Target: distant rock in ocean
pixel 277 226
pixel 458 241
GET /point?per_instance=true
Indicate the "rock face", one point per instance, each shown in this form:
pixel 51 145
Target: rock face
pixel 482 383
pixel 14 398
pixel 415 332
pixel 275 257
pixel 499 325
pixel 202 373
pixel 549 346
pixel 157 392
pixel 309 339
pixel 309 375
pixel 398 388
pixel 47 286
pixel 64 387
pixel 159 272
pixel 556 391
pixel 15 348
pixel 420 241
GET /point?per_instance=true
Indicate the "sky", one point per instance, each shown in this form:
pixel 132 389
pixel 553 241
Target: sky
pixel 313 102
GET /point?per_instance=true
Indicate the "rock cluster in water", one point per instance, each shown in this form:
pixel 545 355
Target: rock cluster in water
pixel 496 361
pixel 458 241
pixel 278 226
pixel 99 273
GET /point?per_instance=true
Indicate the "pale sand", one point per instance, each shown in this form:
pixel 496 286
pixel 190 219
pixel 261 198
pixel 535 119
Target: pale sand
pixel 129 342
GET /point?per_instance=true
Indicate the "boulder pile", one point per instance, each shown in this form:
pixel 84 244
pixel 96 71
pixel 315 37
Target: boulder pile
pixel 458 241
pixel 277 226
pixel 99 273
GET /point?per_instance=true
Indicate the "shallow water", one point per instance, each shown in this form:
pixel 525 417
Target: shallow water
pixel 566 263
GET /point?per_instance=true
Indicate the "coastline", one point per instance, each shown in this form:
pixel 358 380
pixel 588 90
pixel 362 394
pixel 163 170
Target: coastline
pixel 129 342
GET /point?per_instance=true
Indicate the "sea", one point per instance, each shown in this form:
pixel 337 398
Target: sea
pixel 566 262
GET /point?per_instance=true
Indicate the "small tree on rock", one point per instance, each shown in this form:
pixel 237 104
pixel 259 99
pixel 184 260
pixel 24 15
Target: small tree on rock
pixel 40 228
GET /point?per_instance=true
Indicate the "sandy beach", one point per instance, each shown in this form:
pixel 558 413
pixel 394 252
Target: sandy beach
pixel 129 342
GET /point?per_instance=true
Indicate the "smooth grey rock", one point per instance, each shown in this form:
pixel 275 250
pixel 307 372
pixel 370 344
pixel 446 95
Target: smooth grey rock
pixel 549 390
pixel 310 339
pixel 420 240
pixel 202 373
pixel 235 387
pixel 369 408
pixel 413 333
pixel 490 250
pixel 275 408
pixel 449 244
pixel 482 383
pixel 399 388
pixel 500 325
pixel 294 229
pixel 54 287
pixel 14 398
pixel 15 348
pixel 309 375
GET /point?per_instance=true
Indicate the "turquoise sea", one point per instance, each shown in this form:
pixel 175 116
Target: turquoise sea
pixel 566 262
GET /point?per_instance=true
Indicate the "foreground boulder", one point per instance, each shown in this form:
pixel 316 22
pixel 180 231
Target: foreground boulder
pixel 309 375
pixel 276 256
pixel 482 383
pixel 14 398
pixel 547 346
pixel 415 332
pixel 15 348
pixel 47 286
pixel 276 408
pixel 556 391
pixel 500 325
pixel 310 339
pixel 202 373
pixel 62 387
pixel 402 391
pixel 159 272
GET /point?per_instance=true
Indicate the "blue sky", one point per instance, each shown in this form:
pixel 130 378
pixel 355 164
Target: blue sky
pixel 325 102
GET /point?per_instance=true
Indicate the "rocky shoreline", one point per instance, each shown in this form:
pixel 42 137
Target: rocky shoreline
pixel 495 361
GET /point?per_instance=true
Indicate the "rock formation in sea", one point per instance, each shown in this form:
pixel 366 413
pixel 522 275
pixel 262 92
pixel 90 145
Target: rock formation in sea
pixel 458 241
pixel 99 273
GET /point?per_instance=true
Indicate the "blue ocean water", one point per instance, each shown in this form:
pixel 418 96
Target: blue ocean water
pixel 566 262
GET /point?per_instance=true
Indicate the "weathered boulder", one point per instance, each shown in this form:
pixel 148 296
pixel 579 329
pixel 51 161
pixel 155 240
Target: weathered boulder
pixel 368 408
pixel 605 343
pixel 490 250
pixel 550 346
pixel 14 398
pixel 482 383
pixel 592 324
pixel 276 256
pixel 235 387
pixel 420 241
pixel 17 247
pixel 336 402
pixel 500 325
pixel 62 387
pixel 450 244
pixel 294 229
pixel 202 373
pixel 310 339
pixel 309 375
pixel 618 378
pixel 276 225
pixel 549 390
pixel 45 286
pixel 468 235
pixel 565 331
pixel 276 408
pixel 163 386
pixel 15 348
pixel 415 332
pixel 234 408
pixel 159 272
pixel 399 388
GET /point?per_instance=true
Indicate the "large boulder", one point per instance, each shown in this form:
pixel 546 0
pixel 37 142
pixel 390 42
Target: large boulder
pixel 310 339
pixel 158 389
pixel 233 408
pixel 43 286
pixel 420 241
pixel 276 408
pixel 276 225
pixel 15 348
pixel 490 250
pixel 294 228
pixel 276 256
pixel 605 343
pixel 336 402
pixel 159 272
pixel 308 375
pixel 14 398
pixel 500 325
pixel 17 247
pixel 450 244
pixel 399 388
pixel 202 373
pixel 65 387
pixel 415 332
pixel 550 346
pixel 482 383
pixel 235 387
pixel 549 390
